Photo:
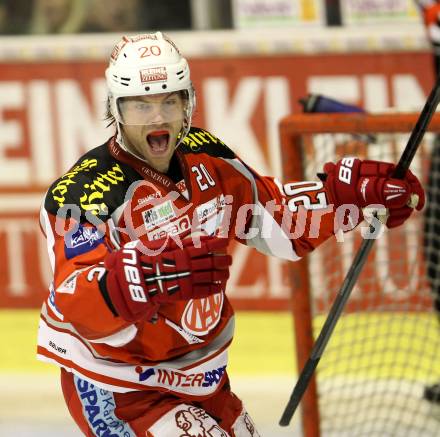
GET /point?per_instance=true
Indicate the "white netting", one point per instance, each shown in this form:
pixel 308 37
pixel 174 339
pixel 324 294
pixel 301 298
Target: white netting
pixel 386 347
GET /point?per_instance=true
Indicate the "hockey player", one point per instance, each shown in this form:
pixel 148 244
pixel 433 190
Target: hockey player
pixel 138 230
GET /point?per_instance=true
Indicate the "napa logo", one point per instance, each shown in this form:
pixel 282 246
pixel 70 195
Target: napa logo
pixel 202 315
pixel 83 240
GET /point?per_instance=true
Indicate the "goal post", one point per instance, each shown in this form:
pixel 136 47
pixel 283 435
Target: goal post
pixel 386 347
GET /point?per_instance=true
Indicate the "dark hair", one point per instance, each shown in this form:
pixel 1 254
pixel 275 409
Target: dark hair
pixel 108 116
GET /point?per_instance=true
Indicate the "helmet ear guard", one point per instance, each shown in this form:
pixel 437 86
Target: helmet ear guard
pixel 148 64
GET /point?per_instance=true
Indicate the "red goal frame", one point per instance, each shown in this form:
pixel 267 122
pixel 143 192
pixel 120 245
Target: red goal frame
pixel 292 130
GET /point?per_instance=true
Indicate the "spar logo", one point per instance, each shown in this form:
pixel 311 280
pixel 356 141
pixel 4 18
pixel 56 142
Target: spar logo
pixel 98 407
pixel 202 315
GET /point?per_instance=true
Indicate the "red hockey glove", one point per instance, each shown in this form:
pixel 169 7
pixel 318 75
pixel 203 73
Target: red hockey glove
pixel 364 183
pixel 136 283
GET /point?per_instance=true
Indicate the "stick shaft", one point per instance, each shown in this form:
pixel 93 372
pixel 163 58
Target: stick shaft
pixel 326 331
pixel 358 262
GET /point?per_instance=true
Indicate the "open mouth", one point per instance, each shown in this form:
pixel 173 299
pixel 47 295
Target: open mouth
pixel 158 141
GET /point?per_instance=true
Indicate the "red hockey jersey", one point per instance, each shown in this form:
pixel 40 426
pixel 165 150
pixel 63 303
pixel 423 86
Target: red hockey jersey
pixel 110 197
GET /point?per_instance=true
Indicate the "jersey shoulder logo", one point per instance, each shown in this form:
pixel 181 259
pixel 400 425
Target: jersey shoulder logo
pixel 90 184
pixel 65 185
pixel 201 141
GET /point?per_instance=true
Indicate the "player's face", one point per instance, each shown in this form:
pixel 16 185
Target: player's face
pixel 150 126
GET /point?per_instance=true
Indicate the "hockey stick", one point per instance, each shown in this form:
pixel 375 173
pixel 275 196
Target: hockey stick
pixel 358 262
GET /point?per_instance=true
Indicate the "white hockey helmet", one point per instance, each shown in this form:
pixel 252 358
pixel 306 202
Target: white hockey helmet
pixel 148 64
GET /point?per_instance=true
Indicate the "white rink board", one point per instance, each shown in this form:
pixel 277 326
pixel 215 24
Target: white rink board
pixel 33 406
pixel 366 38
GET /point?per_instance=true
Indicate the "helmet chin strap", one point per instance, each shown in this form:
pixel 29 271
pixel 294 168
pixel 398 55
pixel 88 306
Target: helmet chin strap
pixel 120 138
pixel 183 133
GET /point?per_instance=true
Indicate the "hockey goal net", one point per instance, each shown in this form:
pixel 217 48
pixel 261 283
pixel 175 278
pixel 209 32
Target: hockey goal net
pixel 386 346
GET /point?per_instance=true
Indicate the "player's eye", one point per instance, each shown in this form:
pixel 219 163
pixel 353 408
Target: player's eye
pixel 142 106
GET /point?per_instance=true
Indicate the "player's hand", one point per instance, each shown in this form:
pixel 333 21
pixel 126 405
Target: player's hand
pixel 138 280
pixel 364 183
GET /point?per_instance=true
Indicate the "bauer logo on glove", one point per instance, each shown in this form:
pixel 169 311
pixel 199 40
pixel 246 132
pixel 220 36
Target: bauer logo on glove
pixel 137 283
pixel 352 181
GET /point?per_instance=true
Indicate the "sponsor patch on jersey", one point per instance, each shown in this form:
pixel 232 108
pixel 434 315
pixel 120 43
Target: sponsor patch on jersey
pixel 147 199
pixel 83 240
pixel 210 208
pixel 210 214
pixel 181 186
pixel 175 378
pixel 202 315
pixel 98 407
pixel 69 285
pixel 175 227
pixel 158 215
